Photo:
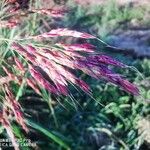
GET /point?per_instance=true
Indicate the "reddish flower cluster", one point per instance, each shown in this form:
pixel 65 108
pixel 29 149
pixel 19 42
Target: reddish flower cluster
pixel 52 68
pixel 14 106
pixel 14 6
pixel 11 108
pixel 6 124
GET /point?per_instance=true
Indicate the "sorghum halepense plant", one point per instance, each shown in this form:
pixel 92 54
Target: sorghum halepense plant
pixel 48 67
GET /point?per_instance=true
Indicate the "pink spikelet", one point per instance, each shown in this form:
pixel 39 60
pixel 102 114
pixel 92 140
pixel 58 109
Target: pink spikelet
pixel 32 83
pixel 18 48
pixel 11 76
pixel 19 64
pixel 67 32
pixel 105 60
pixel 16 108
pixel 8 72
pixel 31 49
pixel 5 80
pixel 40 79
pixel 78 47
pixel 83 85
pixel 58 80
pixel 64 32
pixel 73 54
pixel 129 87
pixel 6 124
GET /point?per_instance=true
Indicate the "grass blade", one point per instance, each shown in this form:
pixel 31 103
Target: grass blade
pixel 48 134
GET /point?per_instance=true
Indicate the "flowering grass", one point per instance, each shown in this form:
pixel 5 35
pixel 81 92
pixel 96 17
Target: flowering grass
pixel 46 64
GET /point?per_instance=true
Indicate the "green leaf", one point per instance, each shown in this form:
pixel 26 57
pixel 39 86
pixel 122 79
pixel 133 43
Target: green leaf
pixel 48 134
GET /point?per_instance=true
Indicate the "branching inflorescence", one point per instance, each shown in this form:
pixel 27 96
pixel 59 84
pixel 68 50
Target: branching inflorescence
pixel 53 68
